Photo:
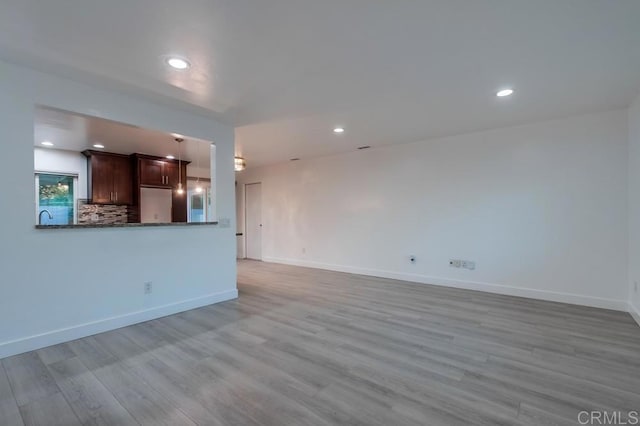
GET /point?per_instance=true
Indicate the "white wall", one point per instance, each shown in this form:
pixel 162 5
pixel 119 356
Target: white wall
pixel 66 162
pixel 201 172
pixel 634 208
pixel 540 208
pixel 93 279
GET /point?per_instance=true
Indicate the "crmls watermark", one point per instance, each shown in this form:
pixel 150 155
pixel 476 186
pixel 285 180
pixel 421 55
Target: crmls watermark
pixel 608 418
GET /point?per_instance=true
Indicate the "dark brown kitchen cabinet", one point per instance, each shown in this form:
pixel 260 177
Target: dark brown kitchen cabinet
pixel 109 178
pixel 158 172
pixel 152 172
pixel 179 201
pixel 171 171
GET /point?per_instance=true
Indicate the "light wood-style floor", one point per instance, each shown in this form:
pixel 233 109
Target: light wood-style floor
pixel 310 347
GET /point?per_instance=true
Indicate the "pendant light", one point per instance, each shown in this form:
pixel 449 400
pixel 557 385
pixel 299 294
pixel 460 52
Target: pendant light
pixel 198 187
pixel 180 190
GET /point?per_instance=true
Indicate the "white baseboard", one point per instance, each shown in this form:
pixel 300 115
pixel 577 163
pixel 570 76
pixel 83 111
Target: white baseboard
pixel 54 337
pixel 635 312
pixel 573 299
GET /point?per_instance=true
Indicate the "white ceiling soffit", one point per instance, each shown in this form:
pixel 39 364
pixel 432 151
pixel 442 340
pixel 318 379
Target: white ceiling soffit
pixel 74 132
pixel 286 72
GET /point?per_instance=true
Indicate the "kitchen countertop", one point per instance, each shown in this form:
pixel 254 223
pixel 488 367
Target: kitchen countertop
pixel 122 225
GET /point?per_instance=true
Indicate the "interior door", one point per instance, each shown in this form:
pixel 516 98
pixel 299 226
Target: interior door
pixel 253 220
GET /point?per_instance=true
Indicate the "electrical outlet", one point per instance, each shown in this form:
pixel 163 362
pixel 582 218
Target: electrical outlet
pixel 148 287
pixel 467 264
pixel 454 263
pixel 412 259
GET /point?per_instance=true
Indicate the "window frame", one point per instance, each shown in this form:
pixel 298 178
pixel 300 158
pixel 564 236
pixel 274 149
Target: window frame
pixel 206 199
pixel 74 176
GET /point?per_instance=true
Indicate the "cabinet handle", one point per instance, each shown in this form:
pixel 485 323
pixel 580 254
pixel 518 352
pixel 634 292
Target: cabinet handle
pixel 111 196
pixel 116 195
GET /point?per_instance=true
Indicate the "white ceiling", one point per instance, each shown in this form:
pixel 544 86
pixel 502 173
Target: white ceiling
pixel 73 132
pixel 285 72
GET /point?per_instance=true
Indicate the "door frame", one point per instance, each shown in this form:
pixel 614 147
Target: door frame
pixel 246 245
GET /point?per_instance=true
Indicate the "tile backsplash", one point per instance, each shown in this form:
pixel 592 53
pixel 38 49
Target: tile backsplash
pixel 102 214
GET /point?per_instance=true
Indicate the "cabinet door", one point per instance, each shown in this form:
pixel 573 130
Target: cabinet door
pixel 122 181
pixel 152 172
pixel 171 172
pixel 101 179
pixel 179 201
pixel 179 206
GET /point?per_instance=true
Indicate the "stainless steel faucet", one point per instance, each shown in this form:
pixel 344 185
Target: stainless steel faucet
pixel 40 216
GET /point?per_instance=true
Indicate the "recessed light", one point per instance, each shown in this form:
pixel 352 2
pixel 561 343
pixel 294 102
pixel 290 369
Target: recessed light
pixel 170 157
pixel 178 63
pixel 338 130
pixel 47 143
pixel 98 145
pixel 504 92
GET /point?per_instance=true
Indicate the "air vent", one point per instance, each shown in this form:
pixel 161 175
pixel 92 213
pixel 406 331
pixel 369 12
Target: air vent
pixel 364 147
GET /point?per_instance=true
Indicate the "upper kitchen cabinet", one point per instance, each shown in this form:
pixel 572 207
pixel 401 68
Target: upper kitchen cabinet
pixel 152 172
pixel 172 171
pixel 157 172
pixel 164 174
pixel 109 178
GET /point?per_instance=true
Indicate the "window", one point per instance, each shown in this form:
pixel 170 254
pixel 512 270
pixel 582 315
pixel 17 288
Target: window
pixel 56 199
pixel 199 203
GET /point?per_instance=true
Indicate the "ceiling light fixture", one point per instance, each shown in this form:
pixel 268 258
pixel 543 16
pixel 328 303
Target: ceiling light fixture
pixel 338 130
pixel 98 145
pixel 170 157
pixel 180 190
pixel 178 63
pixel 504 92
pixel 47 143
pixel 239 164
